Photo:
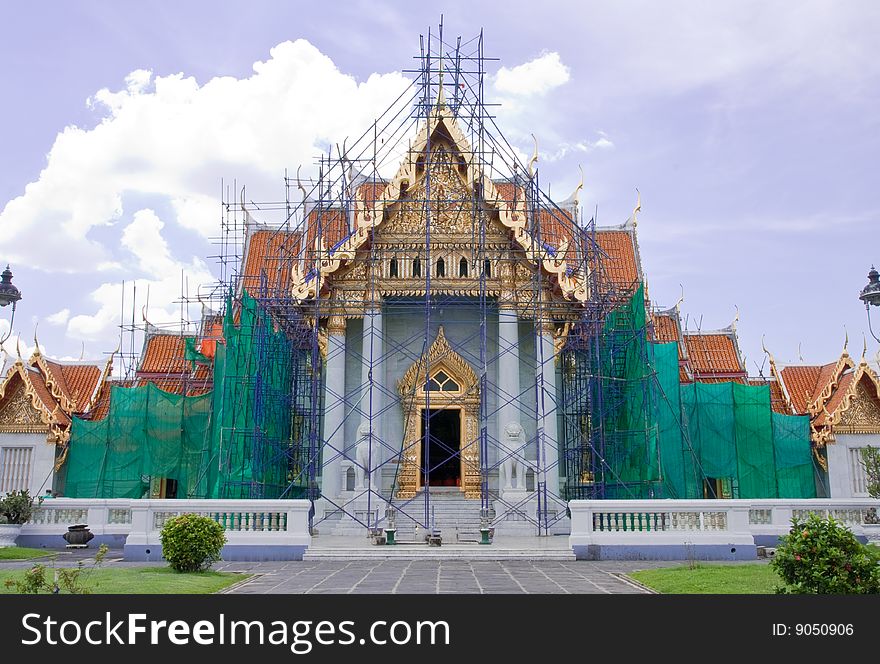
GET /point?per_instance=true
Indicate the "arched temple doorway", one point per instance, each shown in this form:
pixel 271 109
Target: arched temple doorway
pixel 440 396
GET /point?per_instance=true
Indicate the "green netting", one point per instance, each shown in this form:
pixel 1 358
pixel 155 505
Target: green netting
pixel 147 434
pixel 727 431
pixel 236 442
pixel 630 462
pixel 252 406
pixel 675 458
pixel 754 441
pixel 632 430
pixel 794 460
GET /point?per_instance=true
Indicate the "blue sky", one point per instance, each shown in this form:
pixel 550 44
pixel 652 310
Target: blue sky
pixel 750 128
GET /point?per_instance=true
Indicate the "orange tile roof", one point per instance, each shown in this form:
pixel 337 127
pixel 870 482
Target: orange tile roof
pixel 665 328
pixel 371 191
pixel 45 396
pixel 266 252
pixel 618 266
pixel 833 403
pixel 556 226
pixel 800 383
pixel 77 382
pixel 508 191
pixel 333 224
pixel 165 365
pixel 714 356
pixel 164 353
pixel 777 398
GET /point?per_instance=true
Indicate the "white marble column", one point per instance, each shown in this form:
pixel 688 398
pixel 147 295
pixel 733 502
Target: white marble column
pixel 334 410
pixel 371 396
pixel 508 392
pixel 549 452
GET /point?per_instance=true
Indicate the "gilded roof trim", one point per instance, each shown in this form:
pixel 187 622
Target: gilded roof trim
pixel 513 217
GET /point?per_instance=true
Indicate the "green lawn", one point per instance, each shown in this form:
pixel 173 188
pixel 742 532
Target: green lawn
pixel 143 581
pixel 751 578
pixel 21 553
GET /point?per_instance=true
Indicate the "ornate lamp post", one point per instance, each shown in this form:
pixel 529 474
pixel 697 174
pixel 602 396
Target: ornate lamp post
pixel 9 294
pixel 870 295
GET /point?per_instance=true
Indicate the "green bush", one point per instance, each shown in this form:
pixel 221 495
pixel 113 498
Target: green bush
pixel 17 507
pixel 822 556
pixel 191 542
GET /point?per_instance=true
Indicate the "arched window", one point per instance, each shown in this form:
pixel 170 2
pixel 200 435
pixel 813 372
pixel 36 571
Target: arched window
pixel 462 267
pixel 441 382
pixel 441 268
pixel 392 267
pixel 417 267
pixel 487 267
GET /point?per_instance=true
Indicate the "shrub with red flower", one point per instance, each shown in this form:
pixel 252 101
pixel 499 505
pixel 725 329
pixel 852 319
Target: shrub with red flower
pixel 822 556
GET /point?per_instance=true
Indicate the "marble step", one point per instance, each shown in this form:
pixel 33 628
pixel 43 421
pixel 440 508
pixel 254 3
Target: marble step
pixel 443 552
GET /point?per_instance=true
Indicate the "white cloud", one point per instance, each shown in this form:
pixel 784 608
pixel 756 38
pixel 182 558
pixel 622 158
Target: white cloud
pixel 171 138
pixel 535 77
pixel 565 149
pixel 143 238
pixel 59 318
pixel 158 294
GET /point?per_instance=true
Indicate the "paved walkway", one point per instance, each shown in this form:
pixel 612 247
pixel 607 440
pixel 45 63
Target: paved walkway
pixel 438 576
pixel 405 576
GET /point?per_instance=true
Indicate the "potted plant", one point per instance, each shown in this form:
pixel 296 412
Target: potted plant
pixel 16 508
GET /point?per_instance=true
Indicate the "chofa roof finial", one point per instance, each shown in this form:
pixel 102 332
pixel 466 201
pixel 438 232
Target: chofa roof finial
pixel 637 208
pixel 534 159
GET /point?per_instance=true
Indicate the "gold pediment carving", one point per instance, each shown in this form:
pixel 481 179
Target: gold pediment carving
pixel 462 198
pixel 862 414
pixel 17 413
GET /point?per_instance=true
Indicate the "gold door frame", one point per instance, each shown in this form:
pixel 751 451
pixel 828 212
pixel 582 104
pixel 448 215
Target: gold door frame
pixel 415 400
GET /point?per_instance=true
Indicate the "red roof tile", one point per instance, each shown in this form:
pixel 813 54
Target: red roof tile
pixel 371 192
pixel 164 353
pixel 665 328
pixel 833 403
pixel 42 391
pixel 268 253
pixel 800 383
pixel 77 382
pixel 618 266
pixel 333 225
pixel 714 357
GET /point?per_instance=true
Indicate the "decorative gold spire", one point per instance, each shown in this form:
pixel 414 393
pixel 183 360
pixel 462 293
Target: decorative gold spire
pixel 681 299
pixel 36 342
pixel 845 341
pixel 575 197
pixel 637 208
pixel 299 184
pixel 534 159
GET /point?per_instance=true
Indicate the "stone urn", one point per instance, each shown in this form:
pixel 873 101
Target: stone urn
pixel 8 533
pixel 78 536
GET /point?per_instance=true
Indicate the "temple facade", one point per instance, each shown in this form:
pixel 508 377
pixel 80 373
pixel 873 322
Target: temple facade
pixel 430 339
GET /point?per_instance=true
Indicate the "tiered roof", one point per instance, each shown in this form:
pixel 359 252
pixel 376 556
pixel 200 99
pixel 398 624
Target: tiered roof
pixel 56 390
pixel 839 397
pixel 164 363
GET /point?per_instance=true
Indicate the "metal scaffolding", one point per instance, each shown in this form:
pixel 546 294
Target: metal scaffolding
pixel 283 268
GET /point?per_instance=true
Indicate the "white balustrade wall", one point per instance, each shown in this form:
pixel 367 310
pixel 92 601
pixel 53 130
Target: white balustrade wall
pixel 276 526
pixel 719 528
